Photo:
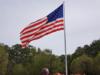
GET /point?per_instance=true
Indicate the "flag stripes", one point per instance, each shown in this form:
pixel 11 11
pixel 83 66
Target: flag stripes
pixel 51 23
pixel 34 25
pixel 46 33
pixel 42 30
pixel 28 38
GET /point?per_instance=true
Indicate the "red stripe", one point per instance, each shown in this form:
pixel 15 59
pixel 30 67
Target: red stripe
pixel 53 24
pixel 24 44
pixel 33 25
pixel 45 31
pixel 48 33
pixel 25 32
pixel 59 20
pixel 43 26
pixel 49 28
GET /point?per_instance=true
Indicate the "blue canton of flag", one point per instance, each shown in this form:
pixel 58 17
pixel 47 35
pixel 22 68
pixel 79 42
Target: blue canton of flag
pixel 52 23
pixel 58 13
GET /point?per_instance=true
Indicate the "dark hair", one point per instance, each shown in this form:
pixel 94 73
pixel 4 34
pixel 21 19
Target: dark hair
pixel 45 71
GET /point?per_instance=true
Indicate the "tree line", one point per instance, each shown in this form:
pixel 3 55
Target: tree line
pixel 15 60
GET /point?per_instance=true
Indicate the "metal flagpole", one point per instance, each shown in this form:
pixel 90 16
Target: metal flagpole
pixel 66 67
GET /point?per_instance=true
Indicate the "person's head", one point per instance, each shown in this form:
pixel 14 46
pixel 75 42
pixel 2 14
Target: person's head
pixel 45 71
pixel 57 73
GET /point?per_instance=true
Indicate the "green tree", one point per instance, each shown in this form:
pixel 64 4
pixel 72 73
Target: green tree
pixel 3 59
pixel 95 48
pixel 57 65
pixel 19 69
pixel 97 64
pixel 82 64
pixel 40 61
pixel 18 55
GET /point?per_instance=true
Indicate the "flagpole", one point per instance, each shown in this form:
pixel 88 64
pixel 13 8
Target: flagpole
pixel 66 67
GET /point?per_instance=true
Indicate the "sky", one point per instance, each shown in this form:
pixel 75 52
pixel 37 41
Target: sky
pixel 82 22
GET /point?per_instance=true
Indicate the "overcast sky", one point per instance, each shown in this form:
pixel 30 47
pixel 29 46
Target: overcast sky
pixel 82 19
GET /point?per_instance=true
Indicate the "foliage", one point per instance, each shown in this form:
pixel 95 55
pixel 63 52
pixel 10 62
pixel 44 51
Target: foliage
pixel 29 61
pixel 3 60
pixel 82 64
pixel 97 64
pixel 91 59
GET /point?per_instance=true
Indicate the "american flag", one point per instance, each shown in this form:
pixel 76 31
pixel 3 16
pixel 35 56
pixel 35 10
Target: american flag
pixel 51 23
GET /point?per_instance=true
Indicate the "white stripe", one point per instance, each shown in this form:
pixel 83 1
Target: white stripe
pixel 23 35
pixel 47 32
pixel 34 36
pixel 34 27
pixel 40 30
pixel 33 24
pixel 51 26
pixel 39 24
